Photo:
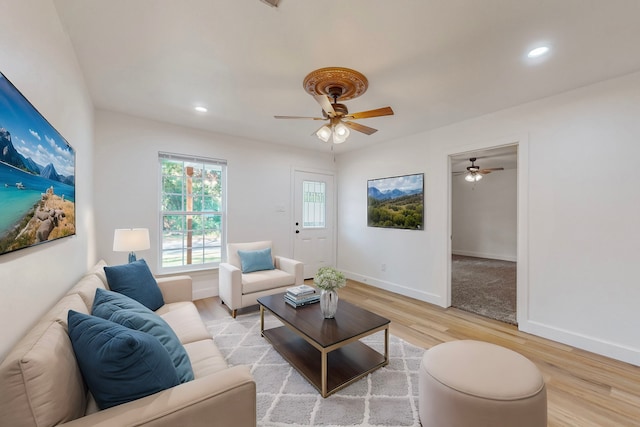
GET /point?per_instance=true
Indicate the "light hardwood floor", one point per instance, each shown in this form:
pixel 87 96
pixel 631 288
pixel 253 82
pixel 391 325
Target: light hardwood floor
pixel 583 389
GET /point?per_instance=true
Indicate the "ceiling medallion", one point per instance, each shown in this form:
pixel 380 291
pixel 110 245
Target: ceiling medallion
pixel 343 83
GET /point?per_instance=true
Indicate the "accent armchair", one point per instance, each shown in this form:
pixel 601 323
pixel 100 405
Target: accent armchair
pixel 251 271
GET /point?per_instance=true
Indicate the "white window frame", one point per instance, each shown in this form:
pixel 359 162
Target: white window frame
pixel 222 213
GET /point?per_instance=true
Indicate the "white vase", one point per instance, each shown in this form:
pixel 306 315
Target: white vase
pixel 328 303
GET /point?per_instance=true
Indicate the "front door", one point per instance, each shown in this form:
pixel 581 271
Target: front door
pixel 313 220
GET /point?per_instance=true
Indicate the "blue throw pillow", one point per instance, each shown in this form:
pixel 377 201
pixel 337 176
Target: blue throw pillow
pixel 135 281
pixel 153 324
pixel 130 313
pixel 119 364
pixel 105 303
pixel 256 260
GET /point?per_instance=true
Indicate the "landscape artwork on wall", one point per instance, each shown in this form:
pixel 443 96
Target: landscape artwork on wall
pixel 396 202
pixel 37 175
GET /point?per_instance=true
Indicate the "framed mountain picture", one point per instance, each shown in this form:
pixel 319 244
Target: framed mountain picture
pixel 396 202
pixel 37 175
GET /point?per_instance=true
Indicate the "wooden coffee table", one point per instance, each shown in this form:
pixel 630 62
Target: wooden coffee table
pixel 327 352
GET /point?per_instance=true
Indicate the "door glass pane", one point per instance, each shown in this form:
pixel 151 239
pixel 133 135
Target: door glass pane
pixel 313 204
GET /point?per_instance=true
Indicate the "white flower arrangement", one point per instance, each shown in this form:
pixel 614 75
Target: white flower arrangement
pixel 329 279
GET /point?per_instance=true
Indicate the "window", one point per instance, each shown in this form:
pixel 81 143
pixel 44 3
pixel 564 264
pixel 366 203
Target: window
pixel 313 204
pixel 192 212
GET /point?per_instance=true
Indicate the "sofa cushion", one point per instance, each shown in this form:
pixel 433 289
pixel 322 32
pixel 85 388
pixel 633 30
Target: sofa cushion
pixel 38 400
pixel 205 357
pixel 119 364
pixel 256 260
pixel 266 279
pixel 153 324
pixel 86 289
pixel 136 281
pixel 184 319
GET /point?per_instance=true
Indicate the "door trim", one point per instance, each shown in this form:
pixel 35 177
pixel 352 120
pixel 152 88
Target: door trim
pixel 522 274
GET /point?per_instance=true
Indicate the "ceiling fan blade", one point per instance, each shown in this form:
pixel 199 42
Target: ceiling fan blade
pixel 360 128
pixel 299 117
pixel 489 170
pixel 384 111
pixel 325 103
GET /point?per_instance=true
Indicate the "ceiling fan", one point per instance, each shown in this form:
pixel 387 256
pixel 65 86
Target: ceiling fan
pixel 333 84
pixel 474 173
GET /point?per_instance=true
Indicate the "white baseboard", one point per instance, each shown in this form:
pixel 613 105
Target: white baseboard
pixel 584 342
pixel 501 257
pixel 394 287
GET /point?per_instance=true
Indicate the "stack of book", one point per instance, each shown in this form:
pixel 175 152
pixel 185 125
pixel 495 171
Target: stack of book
pixel 301 295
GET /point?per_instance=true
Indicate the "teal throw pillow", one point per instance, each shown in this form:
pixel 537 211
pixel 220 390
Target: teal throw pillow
pixel 154 325
pixel 127 312
pixel 256 260
pixel 136 281
pixel 117 363
pixel 105 303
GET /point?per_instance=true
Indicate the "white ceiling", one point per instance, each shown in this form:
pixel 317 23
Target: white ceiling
pixel 435 62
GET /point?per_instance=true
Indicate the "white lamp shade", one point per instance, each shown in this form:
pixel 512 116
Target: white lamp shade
pixel 131 239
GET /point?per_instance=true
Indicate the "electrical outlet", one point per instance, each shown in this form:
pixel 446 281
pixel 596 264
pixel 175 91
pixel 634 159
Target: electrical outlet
pixel 383 267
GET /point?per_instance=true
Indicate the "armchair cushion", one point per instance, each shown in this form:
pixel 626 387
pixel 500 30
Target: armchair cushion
pixel 257 260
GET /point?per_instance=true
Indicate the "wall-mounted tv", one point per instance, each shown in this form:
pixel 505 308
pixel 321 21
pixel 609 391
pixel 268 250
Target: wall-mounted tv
pixel 396 202
pixel 37 175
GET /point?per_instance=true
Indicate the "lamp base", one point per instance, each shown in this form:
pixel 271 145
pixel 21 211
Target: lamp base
pixel 132 256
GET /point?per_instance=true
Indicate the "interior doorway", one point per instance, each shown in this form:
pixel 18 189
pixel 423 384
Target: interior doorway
pixel 484 232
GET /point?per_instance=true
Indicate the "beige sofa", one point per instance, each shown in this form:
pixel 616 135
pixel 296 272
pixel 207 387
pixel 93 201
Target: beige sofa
pixel 239 290
pixel 41 384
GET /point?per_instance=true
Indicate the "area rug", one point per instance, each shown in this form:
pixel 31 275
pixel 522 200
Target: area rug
pixel 484 286
pixel 386 397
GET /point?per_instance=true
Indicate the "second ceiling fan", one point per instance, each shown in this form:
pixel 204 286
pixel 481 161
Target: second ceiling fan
pixel 333 84
pixel 474 173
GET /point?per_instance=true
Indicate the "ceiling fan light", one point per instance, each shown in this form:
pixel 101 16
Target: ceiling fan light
pixel 340 133
pixel 472 177
pixel 324 133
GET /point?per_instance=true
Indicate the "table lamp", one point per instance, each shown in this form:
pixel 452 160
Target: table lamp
pixel 131 240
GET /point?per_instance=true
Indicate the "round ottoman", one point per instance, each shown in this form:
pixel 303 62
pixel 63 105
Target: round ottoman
pixel 477 384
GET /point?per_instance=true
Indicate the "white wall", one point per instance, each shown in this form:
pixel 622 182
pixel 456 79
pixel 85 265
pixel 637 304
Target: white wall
pixel 37 57
pixel 258 182
pixel 581 201
pixel 484 216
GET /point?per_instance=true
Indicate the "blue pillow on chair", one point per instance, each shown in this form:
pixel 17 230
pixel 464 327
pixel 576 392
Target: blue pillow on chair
pixel 135 281
pixel 117 363
pixel 256 260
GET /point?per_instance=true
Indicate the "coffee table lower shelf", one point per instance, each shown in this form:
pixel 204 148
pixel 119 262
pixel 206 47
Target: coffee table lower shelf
pixel 345 364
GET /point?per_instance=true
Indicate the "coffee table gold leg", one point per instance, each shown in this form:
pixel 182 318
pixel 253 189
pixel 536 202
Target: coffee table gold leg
pixel 386 346
pixel 261 320
pixel 323 373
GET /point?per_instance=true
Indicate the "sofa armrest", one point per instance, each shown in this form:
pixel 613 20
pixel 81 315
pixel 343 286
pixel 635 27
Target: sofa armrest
pixel 225 398
pixel 176 288
pixel 291 266
pixel 230 285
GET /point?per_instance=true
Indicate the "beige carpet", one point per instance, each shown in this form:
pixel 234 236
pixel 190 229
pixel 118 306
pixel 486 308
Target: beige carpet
pixel 484 286
pixel 386 397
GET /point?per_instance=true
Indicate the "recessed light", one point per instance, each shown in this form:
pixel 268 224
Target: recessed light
pixel 201 109
pixel 537 52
